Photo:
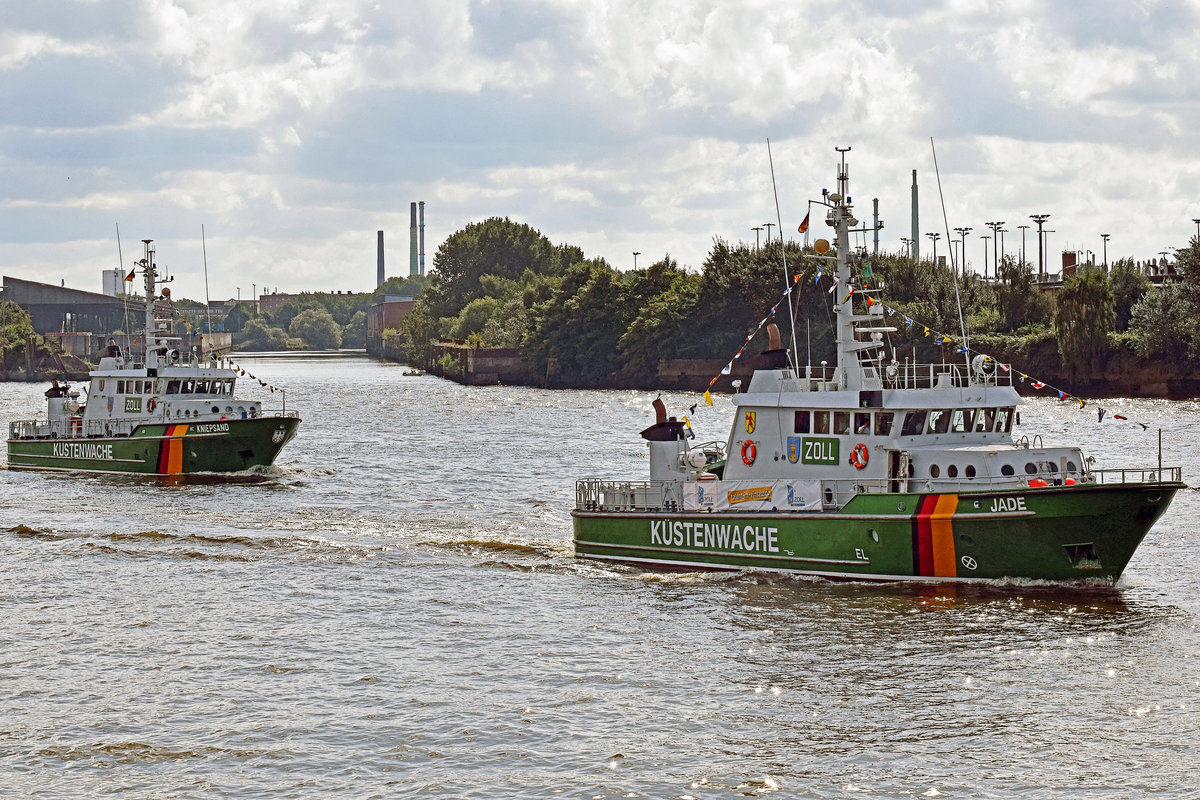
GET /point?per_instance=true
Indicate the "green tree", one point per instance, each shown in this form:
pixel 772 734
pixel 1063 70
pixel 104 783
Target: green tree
pixel 317 328
pixel 237 317
pixel 16 328
pixel 1161 324
pixel 261 336
pixel 1084 317
pixel 497 247
pixel 474 317
pixel 354 334
pixel 419 329
pixel 397 286
pixel 1128 286
pixel 1018 299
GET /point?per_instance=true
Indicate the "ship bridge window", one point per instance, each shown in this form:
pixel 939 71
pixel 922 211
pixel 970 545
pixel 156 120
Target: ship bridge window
pixel 1003 420
pixel 803 422
pixel 172 387
pixel 120 387
pixel 883 423
pixel 962 419
pixel 939 421
pixel 862 422
pixel 914 423
pixel 985 419
pixel 820 422
pixel 841 422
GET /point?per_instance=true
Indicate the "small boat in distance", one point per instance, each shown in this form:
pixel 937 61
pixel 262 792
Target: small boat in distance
pixel 872 470
pixel 153 409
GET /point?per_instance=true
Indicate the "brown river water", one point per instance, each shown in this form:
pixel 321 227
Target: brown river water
pixel 393 610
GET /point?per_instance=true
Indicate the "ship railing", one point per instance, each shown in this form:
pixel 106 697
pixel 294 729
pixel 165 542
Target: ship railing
pixel 1150 475
pixel 599 495
pixel 69 428
pixel 945 376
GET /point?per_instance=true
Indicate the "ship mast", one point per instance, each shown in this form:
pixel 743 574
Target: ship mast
pixel 149 274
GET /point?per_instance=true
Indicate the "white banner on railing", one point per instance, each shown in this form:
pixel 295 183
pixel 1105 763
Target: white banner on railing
pixel 752 496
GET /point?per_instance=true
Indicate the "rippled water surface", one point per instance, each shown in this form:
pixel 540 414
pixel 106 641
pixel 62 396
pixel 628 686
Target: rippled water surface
pixel 393 611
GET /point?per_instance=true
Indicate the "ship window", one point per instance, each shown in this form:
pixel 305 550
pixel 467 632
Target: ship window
pixel 820 422
pixel 120 387
pixel 883 423
pixel 970 471
pixel 914 423
pixel 1071 466
pixel 803 419
pixel 985 419
pixel 961 419
pixel 172 387
pixel 1050 467
pixel 939 421
pixel 952 471
pixel 187 387
pixel 1003 420
pixel 1030 468
pixel 229 386
pixel 862 422
pixel 841 422
pixel 1007 469
pixel 934 470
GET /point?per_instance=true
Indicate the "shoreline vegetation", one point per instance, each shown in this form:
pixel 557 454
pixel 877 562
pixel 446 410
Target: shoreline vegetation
pixel 505 305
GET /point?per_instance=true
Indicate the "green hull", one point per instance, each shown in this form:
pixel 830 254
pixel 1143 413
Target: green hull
pixel 163 449
pixel 1078 532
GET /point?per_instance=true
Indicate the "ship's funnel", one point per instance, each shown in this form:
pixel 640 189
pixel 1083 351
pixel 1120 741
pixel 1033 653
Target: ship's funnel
pixel 660 411
pixel 773 340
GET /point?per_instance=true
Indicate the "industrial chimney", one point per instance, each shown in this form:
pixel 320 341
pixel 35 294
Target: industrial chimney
pixel 413 269
pixel 916 227
pixel 421 253
pixel 379 259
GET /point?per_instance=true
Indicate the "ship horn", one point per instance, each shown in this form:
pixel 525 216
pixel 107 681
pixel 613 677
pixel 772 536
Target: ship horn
pixel 660 411
pixel 773 340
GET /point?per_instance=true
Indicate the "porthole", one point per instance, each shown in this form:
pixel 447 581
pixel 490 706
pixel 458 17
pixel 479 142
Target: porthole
pixel 952 471
pixel 934 470
pixel 1071 467
pixel 1007 469
pixel 874 536
pixel 1050 467
pixel 1030 468
pixel 970 471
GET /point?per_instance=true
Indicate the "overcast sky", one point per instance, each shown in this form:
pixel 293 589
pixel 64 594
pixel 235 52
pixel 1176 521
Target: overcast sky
pixel 292 130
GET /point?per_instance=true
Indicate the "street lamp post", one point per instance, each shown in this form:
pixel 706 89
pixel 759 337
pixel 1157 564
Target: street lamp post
pixel 1105 236
pixel 1023 229
pixel 1040 219
pixel 985 241
pixel 636 253
pixel 933 237
pixel 756 229
pixel 768 226
pixel 995 226
pixel 1002 232
pixel 1197 221
pixel 962 234
pixel 907 246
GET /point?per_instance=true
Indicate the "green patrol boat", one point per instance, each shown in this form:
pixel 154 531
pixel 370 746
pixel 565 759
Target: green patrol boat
pixel 872 470
pixel 152 410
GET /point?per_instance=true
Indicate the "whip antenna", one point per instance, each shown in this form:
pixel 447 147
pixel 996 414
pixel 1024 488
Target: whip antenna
pixel 783 252
pixel 953 265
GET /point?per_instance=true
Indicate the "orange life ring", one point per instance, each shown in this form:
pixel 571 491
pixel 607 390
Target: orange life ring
pixel 749 452
pixel 151 404
pixel 859 456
